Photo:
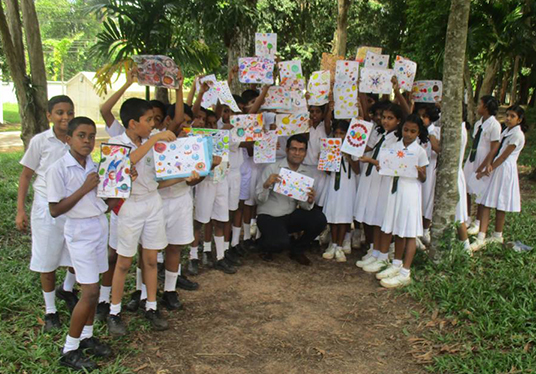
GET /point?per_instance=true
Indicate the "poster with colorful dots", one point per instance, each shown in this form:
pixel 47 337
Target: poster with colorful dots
pixel 220 140
pixel 329 62
pixel 246 127
pixel 376 61
pixel 330 154
pixel 290 69
pixel 292 123
pixel 225 96
pixel 318 87
pixel 398 163
pixel 265 44
pixel 156 70
pixel 256 70
pixel 294 185
pixel 347 72
pixel 265 149
pixel 114 171
pixel 405 71
pixel 177 159
pixel 362 53
pixel 277 98
pixel 356 138
pixel 376 81
pixel 345 97
pixel 427 91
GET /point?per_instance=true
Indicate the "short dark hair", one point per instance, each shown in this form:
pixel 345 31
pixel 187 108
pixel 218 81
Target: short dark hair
pixel 341 124
pixel 521 114
pixel 300 138
pixel 171 111
pixel 79 121
pixel 239 100
pixel 210 113
pixel 249 95
pixel 58 99
pixel 133 108
pixel 160 105
pixel 491 104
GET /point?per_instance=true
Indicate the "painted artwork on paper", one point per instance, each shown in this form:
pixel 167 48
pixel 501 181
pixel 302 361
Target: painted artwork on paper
pixel 177 159
pixel 210 97
pixel 329 62
pixel 345 97
pixel 405 71
pixel 246 127
pixel 256 70
pixel 156 70
pixel 357 137
pixel 265 44
pixel 362 53
pixel 220 140
pixel 347 72
pixel 330 154
pixel 294 185
pixel 225 96
pixel 292 123
pixel 277 98
pixel 427 91
pixel 376 61
pixel 318 87
pixel 398 163
pixel 292 83
pixel 114 171
pixel 290 69
pixel 376 81
pixel 265 149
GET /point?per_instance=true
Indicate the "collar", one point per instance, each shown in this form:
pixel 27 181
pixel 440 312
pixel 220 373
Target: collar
pixel 513 130
pixel 284 164
pixel 125 139
pixel 49 134
pixel 70 161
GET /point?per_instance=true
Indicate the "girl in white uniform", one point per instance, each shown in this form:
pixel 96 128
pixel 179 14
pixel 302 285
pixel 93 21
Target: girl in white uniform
pixel 461 208
pixel 502 192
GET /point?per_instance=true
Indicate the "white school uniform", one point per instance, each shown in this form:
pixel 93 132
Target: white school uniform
pixel 428 187
pixel 339 204
pixel 462 213
pixel 178 213
pixel 403 213
pixel 502 192
pixel 141 217
pixel 374 136
pixel 49 250
pixel 115 129
pixel 234 178
pixel 312 157
pixel 246 170
pixel 491 132
pixel 212 200
pixel 86 226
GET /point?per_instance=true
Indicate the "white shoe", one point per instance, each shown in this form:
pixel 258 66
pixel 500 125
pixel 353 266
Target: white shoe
pixel 426 238
pixel 390 272
pixel 473 229
pixel 396 281
pixel 376 266
pixel 420 245
pixel 253 230
pixel 324 236
pixel 356 239
pixel 477 244
pixel 330 252
pixel 347 247
pixel 495 239
pixel 339 255
pixel 391 253
pixel 367 259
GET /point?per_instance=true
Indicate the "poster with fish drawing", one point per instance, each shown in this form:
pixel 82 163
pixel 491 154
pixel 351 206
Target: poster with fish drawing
pixel 294 185
pixel 362 53
pixel 156 70
pixel 356 138
pixel 220 140
pixel 292 123
pixel 398 163
pixel 330 154
pixel 264 149
pixel 256 70
pixel 277 98
pixel 405 71
pixel 265 44
pixel 246 127
pixel 114 171
pixel 225 96
pixel 376 61
pixel 177 159
pixel 345 97
pixel 347 72
pixel 318 87
pixel 427 91
pixel 376 81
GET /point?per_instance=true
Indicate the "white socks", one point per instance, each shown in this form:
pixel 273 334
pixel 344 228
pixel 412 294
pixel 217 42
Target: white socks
pixel 139 279
pixel 150 305
pixel 375 253
pixel 143 292
pixel 467 245
pixel 348 236
pixel 207 246
pixel 405 272
pixel 68 283
pixel 194 253
pixel 481 236
pixel 87 332
pixel 160 257
pixel 220 251
pixel 104 294
pixel 258 233
pixel 247 231
pixel 497 234
pixel 225 246
pixel 477 222
pixel 71 344
pixel 180 269
pixel 50 302
pixel 236 236
pixel 170 281
pixel 115 309
pixel 383 256
pixel 397 263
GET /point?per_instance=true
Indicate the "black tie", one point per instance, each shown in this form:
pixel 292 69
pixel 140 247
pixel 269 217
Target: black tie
pixel 500 147
pixel 375 155
pixel 337 185
pixel 395 185
pixel 472 155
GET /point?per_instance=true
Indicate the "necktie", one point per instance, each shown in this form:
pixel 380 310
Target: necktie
pixel 500 147
pixel 375 155
pixel 337 185
pixel 472 155
pixel 395 185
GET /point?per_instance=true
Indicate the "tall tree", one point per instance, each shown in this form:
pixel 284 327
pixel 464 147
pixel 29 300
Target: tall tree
pixel 446 195
pixel 341 33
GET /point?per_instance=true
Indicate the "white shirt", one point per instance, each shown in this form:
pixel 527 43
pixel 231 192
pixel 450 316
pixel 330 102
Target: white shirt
pixel 491 132
pixel 115 129
pixel 65 177
pixel 514 136
pixel 44 150
pixel 313 146
pixel 416 149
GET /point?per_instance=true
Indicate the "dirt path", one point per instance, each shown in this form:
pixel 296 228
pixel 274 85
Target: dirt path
pixel 281 317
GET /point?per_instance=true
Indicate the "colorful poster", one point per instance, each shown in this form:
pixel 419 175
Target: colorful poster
pixel 294 185
pixel 376 81
pixel 345 97
pixel 329 62
pixel 277 98
pixel 330 154
pixel 405 71
pixel 156 70
pixel 210 97
pixel 398 163
pixel 256 70
pixel 264 149
pixel 356 138
pixel 362 53
pixel 427 91
pixel 290 69
pixel 177 159
pixel 225 96
pixel 298 101
pixel 265 44
pixel 114 171
pixel 292 123
pixel 292 83
pixel 318 87
pixel 220 140
pixel 347 72
pixel 246 127
pixel 376 61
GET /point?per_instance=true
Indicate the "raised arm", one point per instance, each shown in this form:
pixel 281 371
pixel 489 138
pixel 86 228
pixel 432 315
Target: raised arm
pixel 106 108
pixel 165 136
pixel 327 115
pixel 191 94
pixel 259 100
pixel 179 108
pixel 399 97
pixel 197 106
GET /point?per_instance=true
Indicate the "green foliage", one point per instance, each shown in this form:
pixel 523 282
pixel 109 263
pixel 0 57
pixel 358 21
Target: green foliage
pixel 11 114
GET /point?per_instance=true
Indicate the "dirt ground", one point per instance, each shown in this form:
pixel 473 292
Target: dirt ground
pixel 281 317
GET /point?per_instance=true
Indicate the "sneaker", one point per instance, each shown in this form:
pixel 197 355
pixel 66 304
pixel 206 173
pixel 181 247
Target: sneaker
pixel 193 267
pixel 495 239
pixel 396 281
pixel 225 266
pixel 158 322
pixel 330 252
pixel 185 284
pixel 171 300
pixel 347 247
pixel 95 347
pixel 116 327
pixel 473 229
pixel 207 259
pixel 390 272
pixel 339 255
pixel 478 244
pixel 70 298
pixel 52 321
pixel 249 245
pixel 367 259
pixel 103 309
pixel 232 257
pixel 426 238
pixel 376 266
pixel 77 360
pixel 356 239
pixel 325 236
pixel 134 303
pixel 419 244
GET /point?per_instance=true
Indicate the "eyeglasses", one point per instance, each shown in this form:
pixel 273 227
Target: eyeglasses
pixel 297 150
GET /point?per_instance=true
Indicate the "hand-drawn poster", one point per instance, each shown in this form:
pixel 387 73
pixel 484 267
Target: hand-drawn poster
pixel 376 81
pixel 220 140
pixel 298 102
pixel 156 70
pixel 220 171
pixel 330 154
pixel 256 70
pixel 114 171
pixel 246 127
pixel 290 69
pixel 225 96
pixel 329 62
pixel 277 98
pixel 356 138
pixel 264 149
pixel 177 159
pixel 292 123
pixel 405 71
pixel 265 44
pixel 362 53
pixel 294 185
pixel 210 97
pixel 292 83
pixel 345 97
pixel 398 163
pixel 318 87
pixel 376 61
pixel 427 91
pixel 347 72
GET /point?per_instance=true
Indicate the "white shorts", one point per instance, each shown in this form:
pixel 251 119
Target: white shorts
pixel 233 179
pixel 87 240
pixel 49 250
pixel 212 201
pixel 256 172
pixel 141 221
pixel 112 241
pixel 178 213
pixel 246 170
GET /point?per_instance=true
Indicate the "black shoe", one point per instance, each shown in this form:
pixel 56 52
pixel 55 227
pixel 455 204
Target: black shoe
pixel 224 266
pixel 171 301
pixel 103 309
pixel 52 321
pixel 70 298
pixel 157 321
pixel 161 271
pixel 95 347
pixel 300 258
pixel 193 267
pixel 184 283
pixel 232 257
pixel 207 259
pixel 267 256
pixel 116 327
pixel 250 245
pixel 134 303
pixel 77 360
pixel 240 250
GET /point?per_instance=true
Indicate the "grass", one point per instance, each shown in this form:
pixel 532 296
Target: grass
pixel 11 117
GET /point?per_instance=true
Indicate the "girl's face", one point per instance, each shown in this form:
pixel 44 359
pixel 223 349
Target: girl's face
pixel 426 120
pixel 339 133
pixel 410 132
pixel 377 116
pixel 315 113
pixel 481 109
pixel 389 121
pixel 512 119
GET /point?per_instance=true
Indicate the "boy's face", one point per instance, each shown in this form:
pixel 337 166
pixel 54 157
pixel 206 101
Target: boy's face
pixel 144 126
pixel 212 122
pixel 82 141
pixel 158 118
pixel 315 113
pixel 202 117
pixel 60 116
pixel 377 116
pixel 226 114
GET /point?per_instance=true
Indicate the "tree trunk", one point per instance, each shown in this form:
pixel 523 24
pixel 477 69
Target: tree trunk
pixel 161 94
pixel 241 45
pixel 339 39
pixel 471 108
pixel 15 29
pixel 446 194
pixel 488 83
pixel 504 86
pixel 479 80
pixel 515 74
pixel 524 86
